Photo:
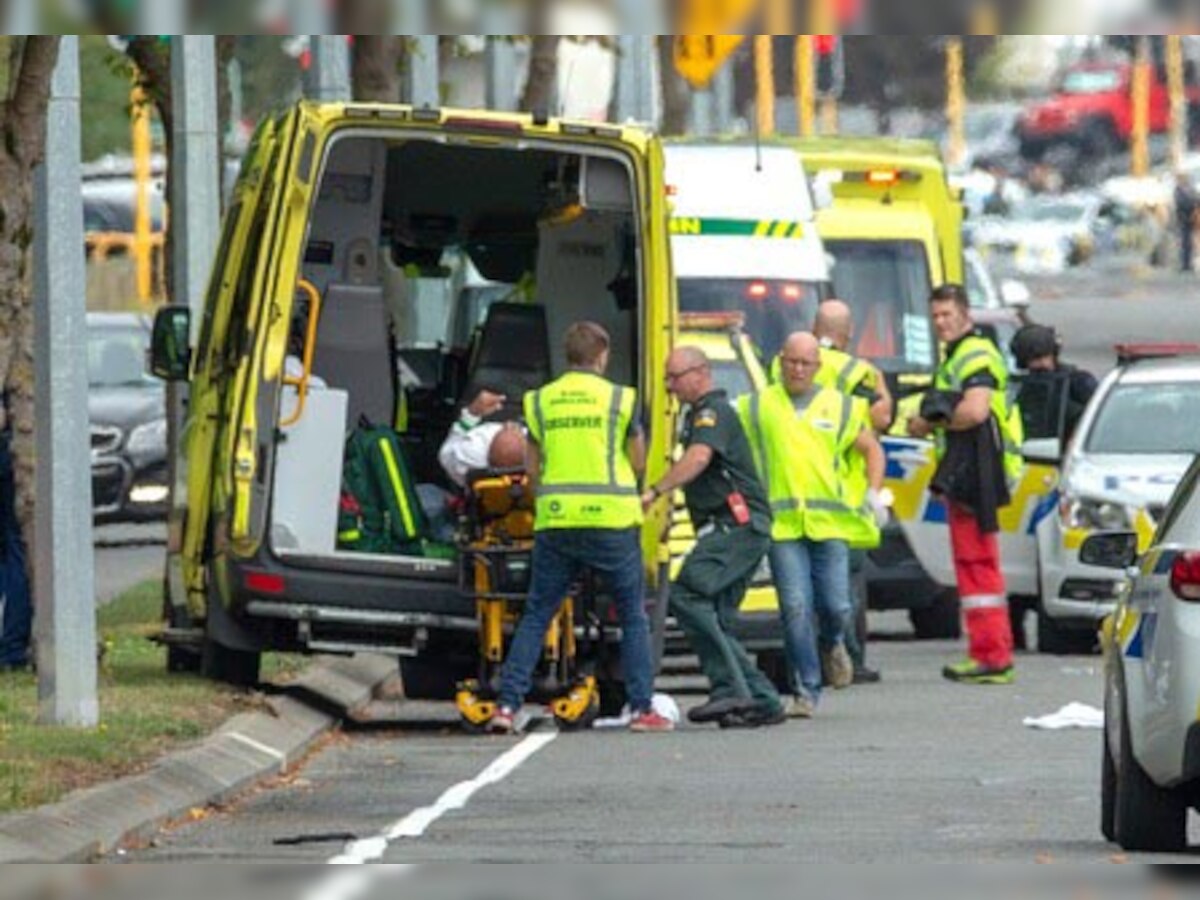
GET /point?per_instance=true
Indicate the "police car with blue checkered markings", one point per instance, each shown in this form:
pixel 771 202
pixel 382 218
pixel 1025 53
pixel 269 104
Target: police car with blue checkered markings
pixel 1151 771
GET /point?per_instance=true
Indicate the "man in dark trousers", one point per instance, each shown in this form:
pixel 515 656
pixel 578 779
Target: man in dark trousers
pixel 732 518
pixel 1186 203
pixel 16 613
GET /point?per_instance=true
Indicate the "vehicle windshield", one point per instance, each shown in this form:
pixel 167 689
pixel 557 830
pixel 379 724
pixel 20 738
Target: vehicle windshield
pixel 1090 81
pixel 117 357
pixel 773 309
pixel 1049 211
pixel 887 285
pixel 1148 418
pixel 732 378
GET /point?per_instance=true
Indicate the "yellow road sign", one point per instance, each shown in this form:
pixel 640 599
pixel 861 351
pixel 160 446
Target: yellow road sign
pixel 698 57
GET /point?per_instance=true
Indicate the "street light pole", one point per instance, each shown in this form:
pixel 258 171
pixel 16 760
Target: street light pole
pixel 64 576
pixel 1179 110
pixel 956 102
pixel 764 77
pixel 1139 157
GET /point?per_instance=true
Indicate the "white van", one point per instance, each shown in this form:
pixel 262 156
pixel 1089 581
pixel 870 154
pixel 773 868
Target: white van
pixel 744 237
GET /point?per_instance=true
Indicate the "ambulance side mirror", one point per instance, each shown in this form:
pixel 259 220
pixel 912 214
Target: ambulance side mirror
pixel 170 350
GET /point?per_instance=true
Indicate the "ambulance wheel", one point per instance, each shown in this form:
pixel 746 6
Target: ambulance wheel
pixel 940 620
pixel 183 659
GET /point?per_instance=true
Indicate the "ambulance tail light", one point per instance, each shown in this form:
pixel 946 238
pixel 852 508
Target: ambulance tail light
pixel 792 293
pixel 265 584
pixel 758 290
pixel 883 178
pixel 1185 576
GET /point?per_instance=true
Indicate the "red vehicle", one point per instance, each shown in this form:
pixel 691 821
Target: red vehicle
pixel 1092 110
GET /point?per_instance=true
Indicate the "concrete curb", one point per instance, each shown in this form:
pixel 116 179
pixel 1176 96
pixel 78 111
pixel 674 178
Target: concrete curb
pixel 244 751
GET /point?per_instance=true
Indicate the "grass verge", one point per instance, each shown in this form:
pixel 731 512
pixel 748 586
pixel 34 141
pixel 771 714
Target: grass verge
pixel 144 712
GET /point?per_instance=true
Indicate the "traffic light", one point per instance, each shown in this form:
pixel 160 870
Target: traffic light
pixel 829 61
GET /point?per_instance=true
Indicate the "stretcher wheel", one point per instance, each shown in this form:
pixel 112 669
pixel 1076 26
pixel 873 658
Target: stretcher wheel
pixel 474 712
pixel 578 709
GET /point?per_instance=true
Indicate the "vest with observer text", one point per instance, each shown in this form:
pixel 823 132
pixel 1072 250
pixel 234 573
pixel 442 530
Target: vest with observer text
pixel 580 422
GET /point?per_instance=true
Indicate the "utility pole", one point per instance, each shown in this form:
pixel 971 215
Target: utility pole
pixel 409 17
pixel 956 102
pixel 195 223
pixel 64 577
pixel 424 89
pixel 635 78
pixel 1179 110
pixel 764 77
pixel 806 99
pixel 723 99
pixel 500 63
pixel 1139 157
pixel 329 76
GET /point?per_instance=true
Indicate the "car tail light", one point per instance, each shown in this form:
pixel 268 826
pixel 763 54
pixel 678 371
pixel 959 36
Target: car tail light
pixel 265 583
pixel 757 291
pixel 1185 576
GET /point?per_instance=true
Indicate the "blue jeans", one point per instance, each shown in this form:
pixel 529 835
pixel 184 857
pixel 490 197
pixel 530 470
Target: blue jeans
pixel 559 555
pixel 811 577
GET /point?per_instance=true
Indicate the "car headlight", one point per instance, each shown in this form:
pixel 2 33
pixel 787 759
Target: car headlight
pixel 1092 514
pixel 148 440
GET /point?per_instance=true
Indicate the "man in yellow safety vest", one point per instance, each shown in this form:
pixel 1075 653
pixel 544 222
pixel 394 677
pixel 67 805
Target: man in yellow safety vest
pixel 801 436
pixel 585 453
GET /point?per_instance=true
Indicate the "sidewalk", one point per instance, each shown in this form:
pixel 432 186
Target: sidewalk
pixel 245 750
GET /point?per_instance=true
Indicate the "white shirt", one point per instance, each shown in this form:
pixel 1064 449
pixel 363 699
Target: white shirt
pixel 466 446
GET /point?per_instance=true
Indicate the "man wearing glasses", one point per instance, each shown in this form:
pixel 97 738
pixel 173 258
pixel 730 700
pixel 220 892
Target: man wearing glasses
pixel 732 518
pixel 803 437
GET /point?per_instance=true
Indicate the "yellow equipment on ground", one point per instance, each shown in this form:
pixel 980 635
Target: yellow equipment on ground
pixel 495 563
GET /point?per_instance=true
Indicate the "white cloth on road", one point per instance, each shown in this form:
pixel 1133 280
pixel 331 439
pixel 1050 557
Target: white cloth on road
pixel 663 704
pixel 1073 715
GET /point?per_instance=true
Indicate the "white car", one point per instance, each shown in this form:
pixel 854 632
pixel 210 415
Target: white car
pixel 1151 770
pixel 1132 445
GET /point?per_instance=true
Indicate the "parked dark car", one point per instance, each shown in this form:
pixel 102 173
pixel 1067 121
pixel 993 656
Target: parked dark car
pixel 127 412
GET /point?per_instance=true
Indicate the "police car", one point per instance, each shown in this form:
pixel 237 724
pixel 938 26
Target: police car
pixel 1132 445
pixel 1151 763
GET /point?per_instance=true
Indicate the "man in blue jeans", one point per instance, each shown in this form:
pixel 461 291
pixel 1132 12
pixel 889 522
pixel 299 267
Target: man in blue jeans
pixel 802 437
pixel 584 455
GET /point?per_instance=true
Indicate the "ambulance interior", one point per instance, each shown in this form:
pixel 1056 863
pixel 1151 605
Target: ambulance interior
pixel 444 267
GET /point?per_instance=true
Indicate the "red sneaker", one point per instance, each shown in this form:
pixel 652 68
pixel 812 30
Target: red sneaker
pixel 650 722
pixel 502 722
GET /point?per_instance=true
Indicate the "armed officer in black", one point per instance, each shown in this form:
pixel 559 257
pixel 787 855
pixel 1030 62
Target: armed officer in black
pixel 732 519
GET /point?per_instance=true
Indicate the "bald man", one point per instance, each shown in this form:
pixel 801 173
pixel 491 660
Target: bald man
pixel 474 443
pixel 801 434
pixel 732 520
pixel 834 329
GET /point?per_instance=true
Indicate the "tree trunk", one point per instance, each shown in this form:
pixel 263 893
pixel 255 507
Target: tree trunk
pixel 23 124
pixel 677 97
pixel 543 74
pixel 375 68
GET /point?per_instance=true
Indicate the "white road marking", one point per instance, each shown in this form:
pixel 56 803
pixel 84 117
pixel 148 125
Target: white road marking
pixel 416 823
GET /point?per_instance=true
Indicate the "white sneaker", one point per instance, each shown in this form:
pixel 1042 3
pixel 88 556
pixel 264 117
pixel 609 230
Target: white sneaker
pixel 799 708
pixel 839 668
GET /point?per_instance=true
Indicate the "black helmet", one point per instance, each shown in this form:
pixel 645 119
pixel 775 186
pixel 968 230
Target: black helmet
pixel 1032 342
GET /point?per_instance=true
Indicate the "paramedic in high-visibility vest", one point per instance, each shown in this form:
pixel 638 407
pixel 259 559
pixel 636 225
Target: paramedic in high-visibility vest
pixel 977 436
pixel 585 453
pixel 802 437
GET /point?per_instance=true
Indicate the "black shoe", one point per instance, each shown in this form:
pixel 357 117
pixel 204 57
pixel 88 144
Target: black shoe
pixel 716 710
pixel 863 675
pixel 758 717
